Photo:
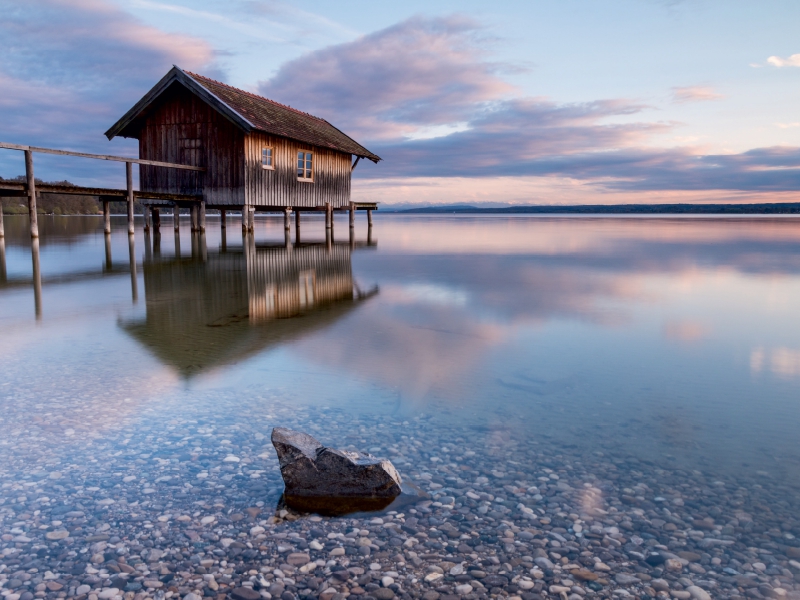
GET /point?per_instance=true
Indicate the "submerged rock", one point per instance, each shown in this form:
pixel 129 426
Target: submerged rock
pixel 311 470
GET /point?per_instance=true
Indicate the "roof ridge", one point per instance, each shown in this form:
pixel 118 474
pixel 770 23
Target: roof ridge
pixel 257 96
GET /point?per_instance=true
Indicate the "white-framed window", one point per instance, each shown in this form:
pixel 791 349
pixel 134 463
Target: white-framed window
pixel 305 165
pixel 267 158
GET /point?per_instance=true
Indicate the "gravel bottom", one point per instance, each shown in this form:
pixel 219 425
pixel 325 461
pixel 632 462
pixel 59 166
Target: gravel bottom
pixel 181 503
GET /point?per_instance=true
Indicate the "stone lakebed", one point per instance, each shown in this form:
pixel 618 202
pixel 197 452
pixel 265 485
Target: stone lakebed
pixel 185 508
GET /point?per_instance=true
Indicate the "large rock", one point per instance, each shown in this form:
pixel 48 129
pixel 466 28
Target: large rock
pixel 311 470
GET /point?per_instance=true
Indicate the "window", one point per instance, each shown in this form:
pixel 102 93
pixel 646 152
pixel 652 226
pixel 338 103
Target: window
pixel 305 171
pixel 266 158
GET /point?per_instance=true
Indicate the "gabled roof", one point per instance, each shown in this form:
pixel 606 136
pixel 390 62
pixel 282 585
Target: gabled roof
pixel 247 111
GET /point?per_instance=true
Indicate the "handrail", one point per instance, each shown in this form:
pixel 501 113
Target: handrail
pixel 138 161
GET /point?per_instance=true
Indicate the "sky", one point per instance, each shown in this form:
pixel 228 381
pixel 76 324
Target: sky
pixel 530 102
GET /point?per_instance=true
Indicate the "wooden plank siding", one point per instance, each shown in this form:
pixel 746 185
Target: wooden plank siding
pixel 181 128
pixel 279 187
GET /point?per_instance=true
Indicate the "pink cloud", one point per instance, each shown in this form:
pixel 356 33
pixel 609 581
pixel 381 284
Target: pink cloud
pixel 694 93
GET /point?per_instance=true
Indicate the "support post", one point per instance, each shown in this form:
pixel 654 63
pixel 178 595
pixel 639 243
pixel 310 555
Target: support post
pixel 147 212
pixel 297 227
pixel 223 235
pixel 157 244
pixel 287 218
pixel 107 237
pixel 34 219
pixel 106 216
pixel 245 218
pixel 148 248
pixel 2 227
pixel 156 218
pixel 369 217
pixel 328 216
pixel 352 215
pixel 195 218
pixel 132 259
pixel 201 212
pixel 203 246
pixel 129 182
pixel 287 239
pixel 352 239
pixel 37 279
pixel 176 218
pixel 328 240
pixel 222 223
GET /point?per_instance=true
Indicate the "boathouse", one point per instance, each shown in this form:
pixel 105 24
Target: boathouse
pixel 255 154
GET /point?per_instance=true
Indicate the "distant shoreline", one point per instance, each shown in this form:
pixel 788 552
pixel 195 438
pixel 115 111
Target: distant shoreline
pixel 777 208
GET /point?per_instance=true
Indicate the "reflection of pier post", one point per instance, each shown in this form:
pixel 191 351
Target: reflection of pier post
pixel 157 243
pixel 369 235
pixel 37 279
pixel 224 240
pixel 148 253
pixel 3 272
pixel 352 215
pixel 176 218
pixel 297 227
pixel 177 244
pixel 203 246
pixel 195 246
pixel 328 240
pixel 156 219
pixel 2 227
pixel 352 239
pixel 147 212
pixel 107 237
pixel 222 219
pixel 132 259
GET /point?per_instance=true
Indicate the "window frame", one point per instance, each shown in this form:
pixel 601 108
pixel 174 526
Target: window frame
pixel 310 178
pixel 270 167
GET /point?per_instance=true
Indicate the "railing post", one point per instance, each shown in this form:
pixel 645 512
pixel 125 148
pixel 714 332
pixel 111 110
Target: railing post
pixel 34 219
pixel 129 182
pixel 106 217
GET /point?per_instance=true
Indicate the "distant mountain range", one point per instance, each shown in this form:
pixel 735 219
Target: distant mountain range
pixel 775 208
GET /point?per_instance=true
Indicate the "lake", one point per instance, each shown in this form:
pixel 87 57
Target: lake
pixel 595 406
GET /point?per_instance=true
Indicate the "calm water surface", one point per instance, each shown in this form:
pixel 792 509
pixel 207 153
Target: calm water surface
pixel 484 354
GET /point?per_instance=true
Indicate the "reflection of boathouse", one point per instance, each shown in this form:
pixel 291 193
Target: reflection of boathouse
pixel 237 303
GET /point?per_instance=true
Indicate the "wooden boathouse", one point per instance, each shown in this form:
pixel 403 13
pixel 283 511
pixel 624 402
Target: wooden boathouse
pixel 255 154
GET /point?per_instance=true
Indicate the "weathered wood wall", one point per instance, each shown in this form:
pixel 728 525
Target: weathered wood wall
pixel 183 129
pixel 280 187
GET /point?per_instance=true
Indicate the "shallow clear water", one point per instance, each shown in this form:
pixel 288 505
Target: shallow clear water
pixel 616 352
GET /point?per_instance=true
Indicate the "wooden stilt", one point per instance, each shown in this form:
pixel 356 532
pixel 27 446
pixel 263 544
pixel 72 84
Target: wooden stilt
pixel 352 239
pixel 31 181
pixel 106 217
pixel 129 183
pixel 251 220
pixel 37 279
pixel 201 211
pixel 369 217
pixel 222 222
pixel 296 226
pixel 287 218
pixel 352 215
pixel 328 216
pixel 147 212
pixel 245 218
pixel 176 218
pixel 132 259
pixel 287 239
pixel 223 240
pixel 328 240
pixel 369 235
pixel 2 227
pixel 203 247
pixel 156 219
pixel 157 243
pixel 195 246
pixel 107 237
pixel 177 244
pixel 193 212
